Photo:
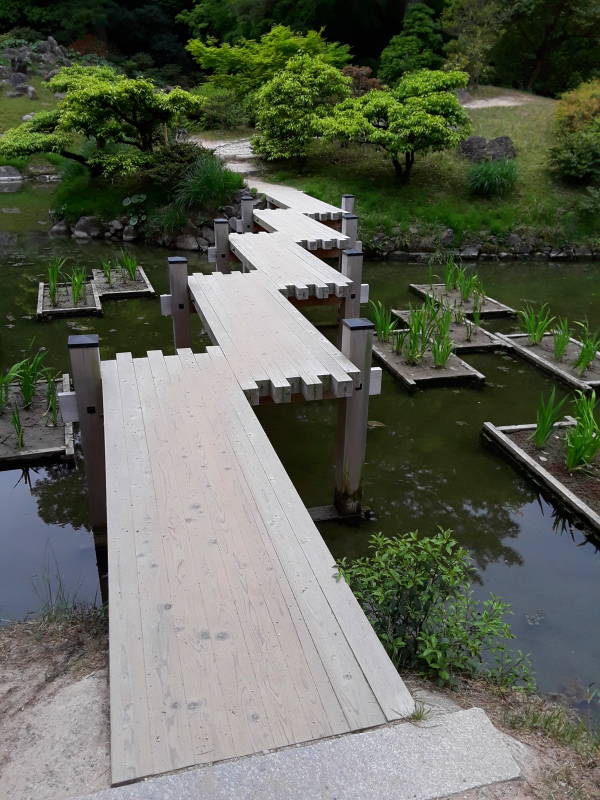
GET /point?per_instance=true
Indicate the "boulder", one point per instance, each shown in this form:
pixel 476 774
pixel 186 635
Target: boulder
pixel 203 243
pixel 478 148
pixel 59 228
pixel 186 242
pixel 469 253
pixel 129 233
pixel 31 93
pixel 27 117
pixel 447 237
pixel 114 226
pixel 9 174
pixel 87 228
pixel 208 233
pixel 18 79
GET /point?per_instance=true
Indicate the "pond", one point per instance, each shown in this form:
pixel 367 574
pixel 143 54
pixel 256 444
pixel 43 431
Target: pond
pixel 426 464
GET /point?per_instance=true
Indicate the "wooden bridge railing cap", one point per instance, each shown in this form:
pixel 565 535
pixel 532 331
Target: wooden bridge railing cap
pixel 83 340
pixel 222 219
pixel 353 253
pixel 359 324
pixel 349 216
pixel 177 259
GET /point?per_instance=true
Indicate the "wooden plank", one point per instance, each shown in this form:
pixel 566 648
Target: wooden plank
pixel 288 197
pixel 309 233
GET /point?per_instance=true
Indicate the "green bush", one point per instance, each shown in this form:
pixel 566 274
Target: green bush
pixel 576 155
pixel 169 163
pixel 223 108
pixel 207 184
pixel 417 47
pixel 492 178
pixel 416 592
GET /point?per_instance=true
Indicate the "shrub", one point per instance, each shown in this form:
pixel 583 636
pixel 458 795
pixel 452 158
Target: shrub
pixel 579 107
pixel 207 184
pixel 492 178
pixel 576 155
pixel 222 107
pixel 416 592
pixel 169 163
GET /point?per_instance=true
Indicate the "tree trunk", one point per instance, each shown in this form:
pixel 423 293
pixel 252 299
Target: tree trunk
pixel 398 169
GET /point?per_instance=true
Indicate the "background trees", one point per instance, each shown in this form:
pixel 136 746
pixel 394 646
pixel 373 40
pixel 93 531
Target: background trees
pixel 417 47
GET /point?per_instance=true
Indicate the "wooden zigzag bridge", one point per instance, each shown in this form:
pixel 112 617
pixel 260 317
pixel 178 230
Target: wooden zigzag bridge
pixel 229 632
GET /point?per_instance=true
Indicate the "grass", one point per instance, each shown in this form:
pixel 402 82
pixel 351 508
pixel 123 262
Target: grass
pixel 438 195
pixel 548 413
pixel 535 322
pixel 107 268
pixel 6 378
pixel 562 334
pixel 590 344
pixel 77 278
pixel 51 396
pixel 207 184
pixel 54 272
pixel 384 323
pixel 13 108
pixel 583 440
pixel 493 178
pixel 28 373
pixel 15 419
pixel 127 264
pixel 441 345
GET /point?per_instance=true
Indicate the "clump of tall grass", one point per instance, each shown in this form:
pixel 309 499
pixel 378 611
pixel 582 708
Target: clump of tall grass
pixel 6 378
pixel 492 178
pixel 54 272
pixel 51 396
pixel 207 184
pixel 478 301
pixel 15 419
pixel 413 342
pixel 384 323
pixel 548 414
pixel 561 336
pixel 451 271
pixel 535 322
pixel 107 270
pixel 77 279
pixel 128 265
pixel 467 284
pixel 441 345
pixel 28 374
pixel 590 344
pixel 583 440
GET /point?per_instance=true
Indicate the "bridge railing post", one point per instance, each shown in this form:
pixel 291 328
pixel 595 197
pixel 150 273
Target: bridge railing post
pixel 84 354
pixel 221 251
pixel 247 213
pixel 348 203
pixel 350 229
pixel 180 301
pixel 352 267
pixel 353 415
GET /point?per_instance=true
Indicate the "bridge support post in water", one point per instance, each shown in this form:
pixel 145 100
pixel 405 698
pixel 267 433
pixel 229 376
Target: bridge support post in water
pixel 222 252
pixel 353 415
pixel 348 203
pixel 84 354
pixel 180 301
pixel 247 203
pixel 350 229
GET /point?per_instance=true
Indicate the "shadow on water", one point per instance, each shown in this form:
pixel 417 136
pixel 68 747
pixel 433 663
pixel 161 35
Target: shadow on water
pixel 426 463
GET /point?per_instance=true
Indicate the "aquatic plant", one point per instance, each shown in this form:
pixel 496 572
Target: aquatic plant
pixel 548 413
pixel 561 336
pixel 441 344
pixel 535 322
pixel 51 395
pixel 478 301
pixel 15 419
pixel 413 342
pixel 590 344
pixel 583 440
pixel 107 270
pixel 6 379
pixel 77 278
pixel 458 315
pixel 384 323
pixel 128 265
pixel 28 374
pixel 467 284
pixel 469 327
pixel 54 271
pixel 451 271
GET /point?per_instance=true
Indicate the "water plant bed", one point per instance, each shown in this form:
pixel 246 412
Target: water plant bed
pixel 64 306
pixel 42 441
pixel 579 490
pixel 478 341
pixel 452 299
pixel 121 284
pixel 425 373
pixel 542 355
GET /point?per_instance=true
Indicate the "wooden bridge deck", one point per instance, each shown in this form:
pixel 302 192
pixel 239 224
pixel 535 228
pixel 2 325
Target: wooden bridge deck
pixel 305 231
pixel 271 347
pixel 296 272
pixel 229 633
pixel 288 197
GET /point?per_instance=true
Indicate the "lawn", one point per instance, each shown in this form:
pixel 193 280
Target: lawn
pixel 438 197
pixel 12 109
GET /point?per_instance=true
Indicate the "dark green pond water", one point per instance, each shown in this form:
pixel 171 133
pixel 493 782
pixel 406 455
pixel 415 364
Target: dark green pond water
pixel 426 464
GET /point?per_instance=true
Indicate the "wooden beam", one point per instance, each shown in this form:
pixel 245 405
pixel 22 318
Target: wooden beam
pixel 350 228
pixel 247 203
pixel 180 301
pixel 222 252
pixel 348 203
pixel 352 267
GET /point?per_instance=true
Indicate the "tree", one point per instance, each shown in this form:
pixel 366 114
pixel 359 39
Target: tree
pixel 421 114
pixel 417 47
pixel 291 105
pixel 244 67
pixel 475 27
pixel 126 118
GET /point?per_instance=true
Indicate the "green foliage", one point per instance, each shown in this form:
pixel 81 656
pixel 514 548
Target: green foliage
pixel 583 440
pixel 107 270
pixel 290 108
pixel 127 263
pixel 576 155
pixel 451 274
pixel 416 593
pixel 421 114
pixel 548 413
pixel 6 378
pixel 15 419
pixel 590 344
pixel 51 396
pixel 385 324
pixel 77 279
pixel 28 373
pixel 417 47
pixel 247 65
pixel 415 340
pixel 207 183
pixel 536 322
pixel 492 178
pixel 441 344
pixel 54 272
pixel 223 108
pixel 561 336
pixel 475 27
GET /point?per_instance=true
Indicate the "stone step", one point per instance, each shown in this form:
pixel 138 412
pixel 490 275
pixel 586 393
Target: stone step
pixel 406 761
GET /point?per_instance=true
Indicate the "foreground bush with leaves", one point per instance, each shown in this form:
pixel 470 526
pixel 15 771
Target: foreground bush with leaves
pixel 416 592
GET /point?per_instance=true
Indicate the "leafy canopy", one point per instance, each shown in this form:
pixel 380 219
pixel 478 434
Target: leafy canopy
pixel 247 65
pixel 417 47
pixel 476 27
pixel 107 108
pixel 422 113
pixel 291 105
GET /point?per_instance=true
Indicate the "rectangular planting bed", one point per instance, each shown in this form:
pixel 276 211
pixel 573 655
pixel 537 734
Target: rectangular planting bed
pixel 579 491
pixel 41 440
pixel 121 284
pixel 479 340
pixel 542 355
pixel 89 303
pixel 425 374
pixel 452 299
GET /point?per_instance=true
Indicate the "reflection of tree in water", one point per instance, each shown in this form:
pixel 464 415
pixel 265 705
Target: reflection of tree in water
pixel 61 496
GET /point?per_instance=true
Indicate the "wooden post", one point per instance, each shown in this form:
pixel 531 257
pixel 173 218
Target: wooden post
pixel 352 264
pixel 84 354
pixel 222 245
pixel 348 203
pixel 350 228
pixel 247 203
pixel 353 415
pixel 180 301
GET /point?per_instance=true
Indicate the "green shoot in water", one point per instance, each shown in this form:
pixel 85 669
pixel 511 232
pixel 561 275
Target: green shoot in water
pixel 590 344
pixel 128 265
pixel 451 272
pixel 413 342
pixel 468 330
pixel 78 277
pixel 385 325
pixel 478 301
pixel 561 336
pixel 28 374
pixel 583 440
pixel 536 322
pixel 441 345
pixel 54 272
pixel 107 270
pixel 467 284
pixel 6 379
pixel 548 413
pixel 51 396
pixel 15 419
